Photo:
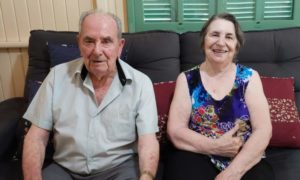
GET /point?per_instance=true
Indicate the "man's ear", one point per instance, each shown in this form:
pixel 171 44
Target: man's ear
pixel 77 38
pixel 121 45
pixel 122 42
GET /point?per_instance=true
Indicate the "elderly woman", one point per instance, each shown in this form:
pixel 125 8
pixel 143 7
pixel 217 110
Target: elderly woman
pixel 219 119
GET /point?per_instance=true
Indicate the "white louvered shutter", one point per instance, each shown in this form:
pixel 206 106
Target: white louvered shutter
pixel 243 10
pixel 278 9
pixel 158 11
pixel 195 10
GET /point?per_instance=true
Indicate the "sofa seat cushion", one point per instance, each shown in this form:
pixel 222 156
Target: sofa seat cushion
pixel 11 170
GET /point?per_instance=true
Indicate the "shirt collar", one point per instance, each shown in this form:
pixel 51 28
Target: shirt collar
pixel 123 74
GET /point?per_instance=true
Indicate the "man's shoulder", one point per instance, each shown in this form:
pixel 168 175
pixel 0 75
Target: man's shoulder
pixel 66 70
pixel 70 64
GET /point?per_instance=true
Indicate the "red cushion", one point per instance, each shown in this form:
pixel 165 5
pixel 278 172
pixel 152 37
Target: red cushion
pixel 163 93
pixel 283 111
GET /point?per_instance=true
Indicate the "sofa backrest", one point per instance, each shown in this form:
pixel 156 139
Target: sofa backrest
pixel 163 54
pixel 39 58
pixel 155 53
pixel 273 53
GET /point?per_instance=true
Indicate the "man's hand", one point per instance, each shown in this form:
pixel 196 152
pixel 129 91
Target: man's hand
pixel 146 175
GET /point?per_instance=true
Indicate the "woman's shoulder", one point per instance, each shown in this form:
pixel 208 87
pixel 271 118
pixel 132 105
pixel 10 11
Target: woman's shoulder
pixel 192 73
pixel 244 68
pixel 192 69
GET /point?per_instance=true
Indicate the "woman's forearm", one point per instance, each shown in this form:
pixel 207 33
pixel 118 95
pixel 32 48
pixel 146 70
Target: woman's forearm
pixel 252 151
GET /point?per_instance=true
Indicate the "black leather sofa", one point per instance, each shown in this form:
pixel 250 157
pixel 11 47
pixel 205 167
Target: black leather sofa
pixel 162 55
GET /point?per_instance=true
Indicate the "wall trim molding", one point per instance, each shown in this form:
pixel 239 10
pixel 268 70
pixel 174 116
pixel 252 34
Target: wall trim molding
pixel 22 44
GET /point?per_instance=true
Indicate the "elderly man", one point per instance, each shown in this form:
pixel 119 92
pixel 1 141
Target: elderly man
pixel 101 110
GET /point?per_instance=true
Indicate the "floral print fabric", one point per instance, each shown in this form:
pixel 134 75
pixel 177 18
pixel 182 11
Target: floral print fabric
pixel 212 118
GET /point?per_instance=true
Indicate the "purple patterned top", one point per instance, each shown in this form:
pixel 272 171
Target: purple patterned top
pixel 212 118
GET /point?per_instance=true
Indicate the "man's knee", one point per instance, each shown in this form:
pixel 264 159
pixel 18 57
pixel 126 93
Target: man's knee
pixel 54 172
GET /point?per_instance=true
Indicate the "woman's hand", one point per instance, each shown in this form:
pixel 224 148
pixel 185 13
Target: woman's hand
pixel 228 145
pixel 228 174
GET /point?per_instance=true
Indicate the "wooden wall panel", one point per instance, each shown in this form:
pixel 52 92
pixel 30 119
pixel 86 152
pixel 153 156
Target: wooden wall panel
pixel 35 17
pixel 10 24
pixel 84 6
pixel 13 67
pixel 60 15
pixel 47 14
pixel 121 13
pixel 115 7
pixel 2 64
pixel 6 75
pixel 73 14
pixel 2 97
pixel 2 32
pixel 111 6
pixel 22 19
pixel 17 70
pixel 102 4
pixel 18 17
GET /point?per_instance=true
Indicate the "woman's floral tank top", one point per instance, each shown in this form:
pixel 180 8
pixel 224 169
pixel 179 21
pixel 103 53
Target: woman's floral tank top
pixel 212 118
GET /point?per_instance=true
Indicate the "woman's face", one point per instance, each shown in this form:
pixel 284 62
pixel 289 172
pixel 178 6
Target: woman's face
pixel 220 42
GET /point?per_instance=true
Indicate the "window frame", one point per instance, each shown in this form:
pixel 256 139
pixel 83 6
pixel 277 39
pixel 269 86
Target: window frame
pixel 136 22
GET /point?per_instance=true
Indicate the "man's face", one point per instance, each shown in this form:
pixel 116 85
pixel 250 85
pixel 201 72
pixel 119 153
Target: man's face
pixel 99 44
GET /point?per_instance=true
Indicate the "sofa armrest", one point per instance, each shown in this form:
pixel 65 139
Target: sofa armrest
pixel 11 112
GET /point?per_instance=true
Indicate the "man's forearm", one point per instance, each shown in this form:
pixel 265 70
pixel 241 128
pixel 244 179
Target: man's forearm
pixel 148 157
pixel 34 153
pixel 33 157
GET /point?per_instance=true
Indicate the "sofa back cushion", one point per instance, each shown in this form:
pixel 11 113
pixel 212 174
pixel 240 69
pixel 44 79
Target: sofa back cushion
pixel 39 58
pixel 60 53
pixel 274 53
pixel 191 53
pixel 283 111
pixel 155 53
